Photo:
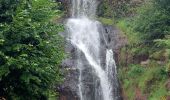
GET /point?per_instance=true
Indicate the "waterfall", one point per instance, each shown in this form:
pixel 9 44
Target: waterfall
pixel 85 36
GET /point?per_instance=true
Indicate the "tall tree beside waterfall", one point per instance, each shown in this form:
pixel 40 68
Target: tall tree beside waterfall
pixel 30 49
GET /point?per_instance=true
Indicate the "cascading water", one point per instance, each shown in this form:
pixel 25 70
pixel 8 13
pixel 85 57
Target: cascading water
pixel 85 36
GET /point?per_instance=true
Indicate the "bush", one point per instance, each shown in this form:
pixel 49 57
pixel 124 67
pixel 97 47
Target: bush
pixel 30 49
pixel 152 22
pixel 135 70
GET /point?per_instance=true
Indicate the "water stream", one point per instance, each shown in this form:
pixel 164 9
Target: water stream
pixel 84 34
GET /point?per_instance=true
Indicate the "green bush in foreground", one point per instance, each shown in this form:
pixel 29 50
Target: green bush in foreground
pixel 30 49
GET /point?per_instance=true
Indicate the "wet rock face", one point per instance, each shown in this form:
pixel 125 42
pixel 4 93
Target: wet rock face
pixel 114 37
pixel 110 39
pixel 67 91
pixel 115 40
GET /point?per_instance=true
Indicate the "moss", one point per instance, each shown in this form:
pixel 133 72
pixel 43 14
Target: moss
pixel 158 55
pixel 106 21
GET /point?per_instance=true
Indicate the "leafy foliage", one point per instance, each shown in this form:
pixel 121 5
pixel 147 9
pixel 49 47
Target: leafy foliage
pixel 118 8
pixel 148 33
pixel 153 21
pixel 30 49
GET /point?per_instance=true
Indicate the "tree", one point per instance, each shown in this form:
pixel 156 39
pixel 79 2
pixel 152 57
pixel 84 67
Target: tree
pixel 30 49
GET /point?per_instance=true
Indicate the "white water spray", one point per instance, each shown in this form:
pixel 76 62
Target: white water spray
pixel 84 35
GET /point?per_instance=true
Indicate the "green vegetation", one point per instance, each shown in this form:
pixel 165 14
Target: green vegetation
pixel 106 21
pixel 147 26
pixel 30 49
pixel 150 80
pixel 148 34
pixel 116 8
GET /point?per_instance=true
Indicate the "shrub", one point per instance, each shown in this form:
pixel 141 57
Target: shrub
pixel 30 49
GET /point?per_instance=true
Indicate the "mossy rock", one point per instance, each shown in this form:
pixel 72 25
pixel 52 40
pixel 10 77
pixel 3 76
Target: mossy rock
pixel 159 55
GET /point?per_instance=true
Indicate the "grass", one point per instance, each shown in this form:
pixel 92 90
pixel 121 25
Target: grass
pixel 159 92
pixel 150 80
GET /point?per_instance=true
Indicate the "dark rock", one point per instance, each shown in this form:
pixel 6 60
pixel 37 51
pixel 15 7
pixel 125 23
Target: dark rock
pixel 110 39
